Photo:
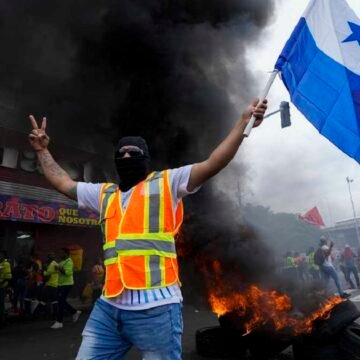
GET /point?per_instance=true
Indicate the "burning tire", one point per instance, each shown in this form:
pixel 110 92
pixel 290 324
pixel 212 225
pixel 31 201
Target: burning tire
pixel 342 315
pixel 324 341
pixel 215 342
pixel 350 342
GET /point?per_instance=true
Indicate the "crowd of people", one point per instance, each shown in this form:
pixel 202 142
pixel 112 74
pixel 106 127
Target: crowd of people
pixel 33 287
pixel 323 264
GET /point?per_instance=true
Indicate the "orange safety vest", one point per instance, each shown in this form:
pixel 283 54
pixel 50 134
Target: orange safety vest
pixel 139 241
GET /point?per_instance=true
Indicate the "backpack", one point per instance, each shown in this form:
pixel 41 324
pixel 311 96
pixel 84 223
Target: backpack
pixel 319 257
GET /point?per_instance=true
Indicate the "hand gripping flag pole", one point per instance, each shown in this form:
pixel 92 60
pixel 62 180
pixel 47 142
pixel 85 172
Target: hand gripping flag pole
pixel 264 94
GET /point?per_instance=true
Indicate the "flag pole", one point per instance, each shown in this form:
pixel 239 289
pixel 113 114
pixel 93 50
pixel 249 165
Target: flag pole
pixel 264 94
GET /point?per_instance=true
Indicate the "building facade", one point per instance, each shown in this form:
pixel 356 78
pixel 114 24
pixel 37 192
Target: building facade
pixel 346 232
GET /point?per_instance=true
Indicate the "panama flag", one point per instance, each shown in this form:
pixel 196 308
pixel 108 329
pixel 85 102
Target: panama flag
pixel 320 67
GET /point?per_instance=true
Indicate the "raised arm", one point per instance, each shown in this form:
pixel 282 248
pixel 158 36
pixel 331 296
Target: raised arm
pixel 328 253
pixel 57 176
pixel 225 152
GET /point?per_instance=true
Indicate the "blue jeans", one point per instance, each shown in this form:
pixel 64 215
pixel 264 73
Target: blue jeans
pixel 111 332
pixel 351 269
pixel 328 272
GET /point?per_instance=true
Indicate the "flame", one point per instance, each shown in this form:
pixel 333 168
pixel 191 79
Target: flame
pixel 258 306
pixel 268 305
pixel 222 305
pixel 323 313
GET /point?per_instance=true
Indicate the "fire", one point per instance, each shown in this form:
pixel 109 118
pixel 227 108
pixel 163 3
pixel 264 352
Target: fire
pixel 263 305
pixel 257 307
pixel 323 313
pixel 268 305
pixel 223 305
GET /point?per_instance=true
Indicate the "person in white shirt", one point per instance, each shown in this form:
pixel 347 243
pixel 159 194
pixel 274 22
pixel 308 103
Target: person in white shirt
pixel 327 268
pixel 149 319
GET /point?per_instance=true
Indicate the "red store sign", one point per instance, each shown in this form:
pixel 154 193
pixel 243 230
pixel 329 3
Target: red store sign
pixel 14 208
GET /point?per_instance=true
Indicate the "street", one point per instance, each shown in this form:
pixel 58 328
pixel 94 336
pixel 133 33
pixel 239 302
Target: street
pixel 34 340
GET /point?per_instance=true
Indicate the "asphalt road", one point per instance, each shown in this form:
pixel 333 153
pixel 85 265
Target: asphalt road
pixel 34 340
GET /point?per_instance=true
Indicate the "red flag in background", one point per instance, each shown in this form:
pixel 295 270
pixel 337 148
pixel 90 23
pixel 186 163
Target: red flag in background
pixel 313 217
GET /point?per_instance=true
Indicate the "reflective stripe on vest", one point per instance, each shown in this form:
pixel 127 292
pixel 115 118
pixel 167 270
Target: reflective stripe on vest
pixel 139 246
pixel 109 193
pixel 113 285
pixel 110 253
pixel 146 247
pixel 154 204
pixel 154 209
pixel 155 265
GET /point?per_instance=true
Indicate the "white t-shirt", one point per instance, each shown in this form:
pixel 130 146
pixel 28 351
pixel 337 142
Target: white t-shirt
pixel 88 195
pixel 328 260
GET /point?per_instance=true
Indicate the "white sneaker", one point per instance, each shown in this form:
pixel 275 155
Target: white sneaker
pixel 57 325
pixel 76 316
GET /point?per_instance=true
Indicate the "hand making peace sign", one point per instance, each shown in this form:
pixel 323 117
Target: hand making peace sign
pixel 38 138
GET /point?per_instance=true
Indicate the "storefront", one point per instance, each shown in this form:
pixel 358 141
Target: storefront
pixel 37 220
pixel 45 227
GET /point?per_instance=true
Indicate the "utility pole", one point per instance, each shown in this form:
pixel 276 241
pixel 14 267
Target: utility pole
pixel 349 181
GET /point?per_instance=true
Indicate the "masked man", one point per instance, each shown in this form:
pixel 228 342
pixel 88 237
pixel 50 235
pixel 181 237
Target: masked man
pixel 140 216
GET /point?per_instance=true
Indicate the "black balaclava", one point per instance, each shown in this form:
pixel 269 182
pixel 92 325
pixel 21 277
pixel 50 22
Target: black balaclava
pixel 132 170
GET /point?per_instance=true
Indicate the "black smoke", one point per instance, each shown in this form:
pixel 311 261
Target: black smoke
pixel 157 68
pixel 167 70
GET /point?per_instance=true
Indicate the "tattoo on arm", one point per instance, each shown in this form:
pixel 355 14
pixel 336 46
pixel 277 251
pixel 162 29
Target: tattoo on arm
pixel 49 165
pixel 57 176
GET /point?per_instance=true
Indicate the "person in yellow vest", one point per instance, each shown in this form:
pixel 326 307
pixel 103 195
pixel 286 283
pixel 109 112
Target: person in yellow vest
pixel 290 269
pixel 313 268
pixel 5 276
pixel 139 217
pixel 290 260
pixel 51 278
pixel 65 270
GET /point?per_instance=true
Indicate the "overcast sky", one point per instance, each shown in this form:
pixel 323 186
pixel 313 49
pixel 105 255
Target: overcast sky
pixel 296 168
